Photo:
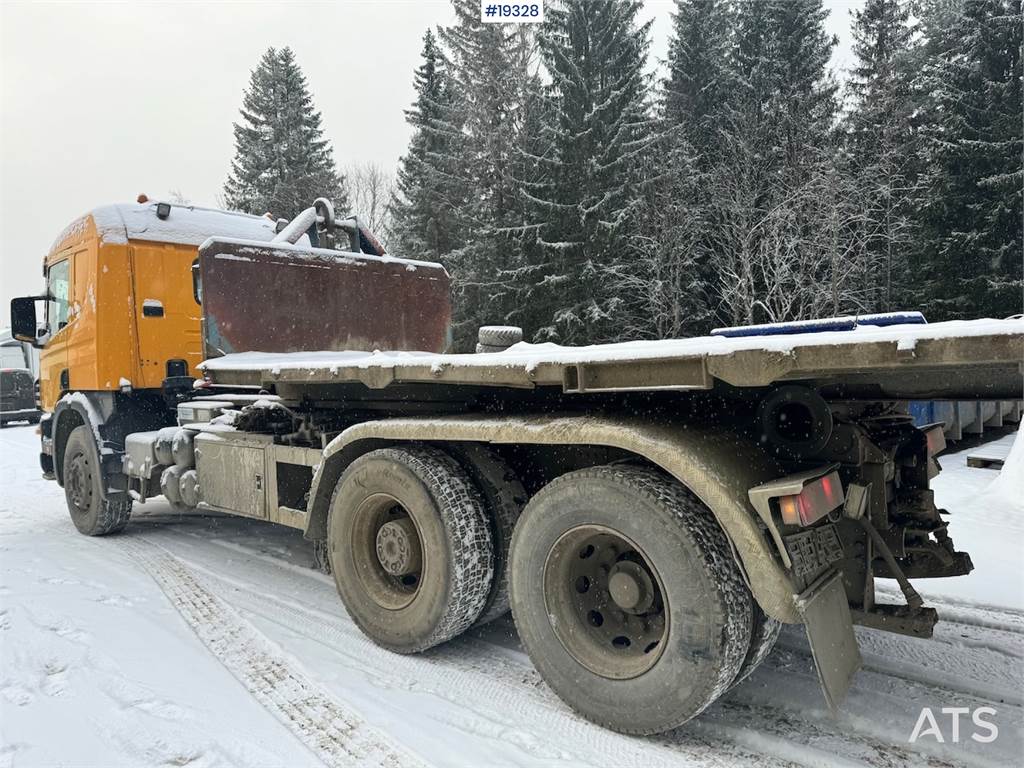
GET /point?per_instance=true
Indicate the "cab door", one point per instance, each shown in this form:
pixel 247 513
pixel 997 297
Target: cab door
pixel 166 312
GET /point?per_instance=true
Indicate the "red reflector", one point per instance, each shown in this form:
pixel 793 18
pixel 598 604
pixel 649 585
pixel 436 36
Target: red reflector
pixel 936 440
pixel 816 500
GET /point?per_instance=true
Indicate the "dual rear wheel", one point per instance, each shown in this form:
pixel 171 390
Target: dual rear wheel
pixel 624 589
pixel 411 547
pixel 627 598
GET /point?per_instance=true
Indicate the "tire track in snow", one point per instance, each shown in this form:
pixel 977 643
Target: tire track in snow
pixel 338 736
pixel 476 676
pixel 927 666
pixel 787 722
pixel 485 671
pixel 477 673
pixel 954 610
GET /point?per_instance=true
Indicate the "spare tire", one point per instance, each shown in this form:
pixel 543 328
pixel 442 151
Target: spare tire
pixel 500 336
pixel 486 349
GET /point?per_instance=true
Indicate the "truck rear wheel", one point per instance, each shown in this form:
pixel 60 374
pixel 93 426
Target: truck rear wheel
pixel 627 598
pixel 410 547
pixel 503 496
pixel 90 512
pixel 764 631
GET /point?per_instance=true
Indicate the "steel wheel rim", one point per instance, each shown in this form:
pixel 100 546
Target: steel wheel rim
pixel 605 602
pixel 389 590
pixel 79 483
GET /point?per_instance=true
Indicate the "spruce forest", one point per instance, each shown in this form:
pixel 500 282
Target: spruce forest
pixel 575 187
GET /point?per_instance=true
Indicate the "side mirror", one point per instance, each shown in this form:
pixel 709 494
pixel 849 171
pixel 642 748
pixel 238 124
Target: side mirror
pixel 24 323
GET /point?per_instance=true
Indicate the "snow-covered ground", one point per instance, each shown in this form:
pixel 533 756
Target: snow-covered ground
pixel 205 640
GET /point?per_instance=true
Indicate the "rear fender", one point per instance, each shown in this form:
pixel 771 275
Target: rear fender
pixel 717 466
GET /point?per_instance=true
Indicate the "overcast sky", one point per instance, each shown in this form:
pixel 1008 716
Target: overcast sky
pixel 101 102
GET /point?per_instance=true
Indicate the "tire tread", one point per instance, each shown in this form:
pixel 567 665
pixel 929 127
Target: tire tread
pixel 698 524
pixel 468 533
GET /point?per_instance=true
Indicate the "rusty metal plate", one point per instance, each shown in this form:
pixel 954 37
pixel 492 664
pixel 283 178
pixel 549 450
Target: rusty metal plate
pixel 261 297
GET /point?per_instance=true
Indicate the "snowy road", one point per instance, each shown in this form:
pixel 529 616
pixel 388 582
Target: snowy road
pixel 204 640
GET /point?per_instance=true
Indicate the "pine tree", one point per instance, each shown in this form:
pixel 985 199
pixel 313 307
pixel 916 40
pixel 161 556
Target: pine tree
pixel 769 237
pixel 489 69
pixel 883 141
pixel 882 40
pixel 669 280
pixel 598 130
pixel 699 75
pixel 676 266
pixel 781 72
pixel 524 264
pixel 969 264
pixel 429 194
pixel 282 161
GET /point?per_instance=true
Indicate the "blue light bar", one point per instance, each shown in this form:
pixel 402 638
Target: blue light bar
pixel 892 318
pixel 822 325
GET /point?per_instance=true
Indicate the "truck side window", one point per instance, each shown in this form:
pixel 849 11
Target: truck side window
pixel 58 280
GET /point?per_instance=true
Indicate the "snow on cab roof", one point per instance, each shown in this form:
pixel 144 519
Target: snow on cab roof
pixel 185 225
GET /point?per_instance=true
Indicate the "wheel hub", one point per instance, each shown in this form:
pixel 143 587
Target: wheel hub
pixel 79 482
pixel 398 547
pixel 387 551
pixel 630 587
pixel 605 602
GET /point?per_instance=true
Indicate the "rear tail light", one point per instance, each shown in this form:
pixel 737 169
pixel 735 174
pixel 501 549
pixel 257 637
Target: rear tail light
pixel 815 500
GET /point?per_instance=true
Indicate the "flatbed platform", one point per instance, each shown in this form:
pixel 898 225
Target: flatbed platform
pixel 973 359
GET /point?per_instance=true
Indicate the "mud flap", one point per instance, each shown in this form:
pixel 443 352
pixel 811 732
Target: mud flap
pixel 826 615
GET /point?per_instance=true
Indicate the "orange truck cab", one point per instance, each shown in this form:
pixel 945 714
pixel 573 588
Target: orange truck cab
pixel 122 368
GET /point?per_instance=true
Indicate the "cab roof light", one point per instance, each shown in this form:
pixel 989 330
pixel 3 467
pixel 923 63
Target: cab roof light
pixel 815 500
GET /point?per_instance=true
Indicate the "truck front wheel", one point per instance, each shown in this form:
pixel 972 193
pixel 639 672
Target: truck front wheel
pixel 90 512
pixel 410 547
pixel 627 598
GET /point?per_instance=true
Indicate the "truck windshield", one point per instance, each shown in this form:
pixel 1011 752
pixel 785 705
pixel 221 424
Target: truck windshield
pixel 57 280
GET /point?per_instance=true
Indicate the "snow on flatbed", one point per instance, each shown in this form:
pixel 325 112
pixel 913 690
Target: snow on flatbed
pixel 207 640
pixel 529 355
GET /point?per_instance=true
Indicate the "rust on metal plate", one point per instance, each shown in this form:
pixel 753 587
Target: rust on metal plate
pixel 274 299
